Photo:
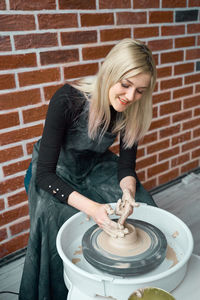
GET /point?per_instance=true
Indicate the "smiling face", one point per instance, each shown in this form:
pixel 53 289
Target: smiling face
pixel 123 93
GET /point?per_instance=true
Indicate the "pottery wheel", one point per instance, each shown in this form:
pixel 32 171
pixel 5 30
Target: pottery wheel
pixel 125 257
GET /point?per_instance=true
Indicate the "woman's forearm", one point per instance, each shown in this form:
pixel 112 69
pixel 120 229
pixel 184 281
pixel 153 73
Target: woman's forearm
pixel 129 183
pixel 82 203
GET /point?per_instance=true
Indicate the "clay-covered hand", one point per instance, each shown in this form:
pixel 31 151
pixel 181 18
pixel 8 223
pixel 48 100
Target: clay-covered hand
pixel 112 228
pixel 124 206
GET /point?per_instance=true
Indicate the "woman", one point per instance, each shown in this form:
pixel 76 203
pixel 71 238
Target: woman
pixel 72 167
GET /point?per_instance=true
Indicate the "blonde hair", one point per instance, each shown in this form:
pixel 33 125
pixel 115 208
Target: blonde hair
pixel 126 59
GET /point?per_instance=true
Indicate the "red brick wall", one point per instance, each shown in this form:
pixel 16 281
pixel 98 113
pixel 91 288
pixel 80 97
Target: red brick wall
pixel 43 43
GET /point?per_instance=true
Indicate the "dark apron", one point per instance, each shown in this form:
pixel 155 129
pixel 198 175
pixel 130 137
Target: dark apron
pixel 89 167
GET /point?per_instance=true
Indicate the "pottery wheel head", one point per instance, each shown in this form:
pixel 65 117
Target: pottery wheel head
pixel 141 251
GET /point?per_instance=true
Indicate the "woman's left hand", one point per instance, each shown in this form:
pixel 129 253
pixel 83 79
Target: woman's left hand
pixel 124 206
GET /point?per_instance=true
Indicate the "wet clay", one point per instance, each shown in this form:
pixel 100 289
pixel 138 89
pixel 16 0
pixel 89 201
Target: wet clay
pixel 135 242
pixel 171 255
pixel 75 260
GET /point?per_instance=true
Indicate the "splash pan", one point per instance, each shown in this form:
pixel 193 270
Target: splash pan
pixel 82 276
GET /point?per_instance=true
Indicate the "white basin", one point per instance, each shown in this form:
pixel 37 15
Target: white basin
pixel 91 283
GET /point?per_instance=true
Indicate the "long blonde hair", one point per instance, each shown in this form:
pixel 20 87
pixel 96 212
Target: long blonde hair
pixel 126 59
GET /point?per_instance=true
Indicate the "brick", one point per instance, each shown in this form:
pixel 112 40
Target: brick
pixel 39 76
pixel 104 4
pixel 96 52
pixel 29 147
pixel 158 146
pixel 169 108
pixel 186 15
pixel 169 176
pixel 145 32
pixel 18 61
pixel 17 22
pixel 9 120
pixel 193 54
pixel 115 34
pixel 159 168
pixel 183 92
pixel 10 185
pixel 35 40
pixel 191 102
pixel 196 132
pixel 193 28
pixel 192 78
pixel 141 176
pixel 133 18
pixel 182 116
pixel 17 198
pixel 146 4
pixel 160 17
pixel 13 214
pixel 77 4
pixel 197 88
pixel 155 112
pixel 197 112
pixel 49 91
pixel 164 72
pixel 168 153
pixel 97 19
pixel 140 152
pixel 16 167
pixel 170 57
pixel 161 97
pixel 2 204
pixel 5 44
pixel 196 153
pixel 155 124
pixel 59 56
pixel 80 70
pixel 181 138
pixel 79 37
pixel 190 124
pixel 171 83
pixel 2 5
pixel 3 234
pixel 193 3
pixel 11 246
pixel 7 81
pixel 185 42
pixel 158 45
pixel 19 227
pixel 198 40
pixel 149 138
pixel 57 21
pixel 35 114
pixel 150 184
pixel 11 153
pixel 145 162
pixel 21 134
pixel 190 166
pixel 179 160
pixel 32 5
pixel 173 30
pixel 173 3
pixel 183 68
pixel 19 99
pixel 170 131
pixel 191 145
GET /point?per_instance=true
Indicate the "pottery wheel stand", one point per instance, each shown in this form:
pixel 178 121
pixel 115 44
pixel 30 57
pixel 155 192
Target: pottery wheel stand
pixel 134 261
pixel 90 270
